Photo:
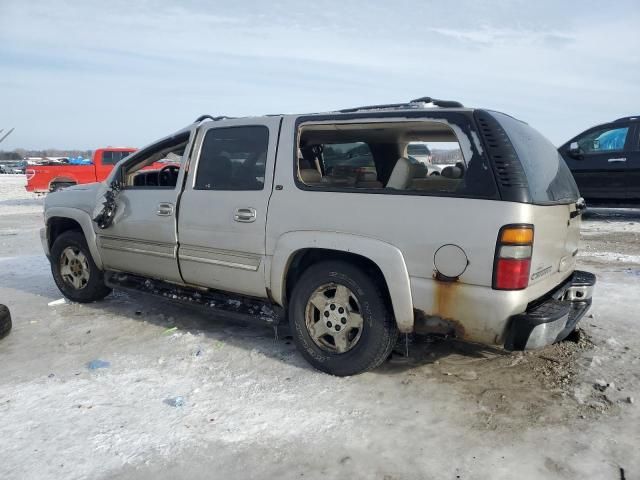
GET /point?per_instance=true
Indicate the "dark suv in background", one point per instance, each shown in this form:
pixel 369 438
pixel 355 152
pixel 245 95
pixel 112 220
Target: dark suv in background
pixel 605 161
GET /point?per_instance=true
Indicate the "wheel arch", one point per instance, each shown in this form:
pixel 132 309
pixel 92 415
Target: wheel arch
pixel 62 180
pixel 296 251
pixel 61 219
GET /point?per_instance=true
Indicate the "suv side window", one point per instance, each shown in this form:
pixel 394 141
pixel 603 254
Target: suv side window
pixel 233 158
pixel 419 157
pixel 156 166
pixel 608 139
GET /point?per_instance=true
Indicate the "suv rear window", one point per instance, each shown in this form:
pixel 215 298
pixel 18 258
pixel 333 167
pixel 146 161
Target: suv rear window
pixel 549 178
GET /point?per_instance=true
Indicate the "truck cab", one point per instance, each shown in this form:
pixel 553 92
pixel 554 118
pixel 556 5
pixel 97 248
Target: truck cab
pixel 53 176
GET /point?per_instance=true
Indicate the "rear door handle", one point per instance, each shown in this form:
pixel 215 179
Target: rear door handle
pixel 245 215
pixel 616 160
pixel 165 209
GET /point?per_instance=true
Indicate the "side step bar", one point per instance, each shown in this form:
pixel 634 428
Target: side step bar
pixel 235 307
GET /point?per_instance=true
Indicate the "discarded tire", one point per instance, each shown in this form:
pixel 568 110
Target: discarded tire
pixel 5 321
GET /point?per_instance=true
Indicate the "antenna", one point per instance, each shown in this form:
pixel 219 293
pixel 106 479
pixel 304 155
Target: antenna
pixel 6 134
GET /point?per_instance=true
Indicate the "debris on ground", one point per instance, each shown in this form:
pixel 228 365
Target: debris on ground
pixel 60 301
pixel 169 331
pixel 96 364
pixel 175 401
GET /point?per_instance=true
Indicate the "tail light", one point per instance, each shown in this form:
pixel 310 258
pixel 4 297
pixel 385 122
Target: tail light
pixel 30 173
pixel 512 262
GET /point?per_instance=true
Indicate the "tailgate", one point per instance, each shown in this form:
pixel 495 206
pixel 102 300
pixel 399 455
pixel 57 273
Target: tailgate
pixel 555 245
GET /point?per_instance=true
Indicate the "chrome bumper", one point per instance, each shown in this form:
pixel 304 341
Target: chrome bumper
pixel 553 318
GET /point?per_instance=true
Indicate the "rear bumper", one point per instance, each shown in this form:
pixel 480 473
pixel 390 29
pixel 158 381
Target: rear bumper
pixel 555 317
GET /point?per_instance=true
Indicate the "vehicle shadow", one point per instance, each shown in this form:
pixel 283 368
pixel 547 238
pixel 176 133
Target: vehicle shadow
pixel 424 350
pixel 248 333
pixel 276 342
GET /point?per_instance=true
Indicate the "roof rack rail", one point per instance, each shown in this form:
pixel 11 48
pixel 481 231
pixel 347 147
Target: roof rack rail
pixel 438 103
pixel 412 104
pixel 209 117
pixel 626 119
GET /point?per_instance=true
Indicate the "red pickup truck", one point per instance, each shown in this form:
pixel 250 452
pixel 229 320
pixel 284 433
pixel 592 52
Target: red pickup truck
pixel 48 178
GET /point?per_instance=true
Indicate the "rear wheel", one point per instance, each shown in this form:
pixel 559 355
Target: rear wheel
pixel 340 321
pixel 74 271
pixel 59 186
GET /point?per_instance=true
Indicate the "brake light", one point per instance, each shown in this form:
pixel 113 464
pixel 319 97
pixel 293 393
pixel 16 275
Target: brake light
pixel 30 173
pixel 512 262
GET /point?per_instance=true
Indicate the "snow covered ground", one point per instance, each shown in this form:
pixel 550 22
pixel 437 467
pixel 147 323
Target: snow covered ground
pixel 250 407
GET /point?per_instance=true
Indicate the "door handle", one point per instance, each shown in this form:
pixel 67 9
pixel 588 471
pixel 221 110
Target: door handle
pixel 245 215
pixel 615 160
pixel 165 209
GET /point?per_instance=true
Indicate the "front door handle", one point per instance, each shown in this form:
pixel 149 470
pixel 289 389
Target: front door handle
pixel 615 160
pixel 245 215
pixel 165 209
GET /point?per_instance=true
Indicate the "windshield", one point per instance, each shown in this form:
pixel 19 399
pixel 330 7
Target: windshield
pixel 549 178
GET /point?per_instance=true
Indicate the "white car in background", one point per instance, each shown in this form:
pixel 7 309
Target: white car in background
pixel 422 155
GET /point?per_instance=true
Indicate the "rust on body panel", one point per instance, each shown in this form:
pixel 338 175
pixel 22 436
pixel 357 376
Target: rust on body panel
pixel 441 320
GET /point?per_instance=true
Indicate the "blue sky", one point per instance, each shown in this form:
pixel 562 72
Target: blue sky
pixel 84 74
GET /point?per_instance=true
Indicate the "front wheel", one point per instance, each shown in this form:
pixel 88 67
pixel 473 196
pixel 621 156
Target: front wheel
pixel 74 271
pixel 340 320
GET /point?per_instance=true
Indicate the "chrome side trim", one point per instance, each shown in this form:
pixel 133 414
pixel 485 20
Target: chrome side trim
pixel 225 258
pixel 219 262
pixel 163 250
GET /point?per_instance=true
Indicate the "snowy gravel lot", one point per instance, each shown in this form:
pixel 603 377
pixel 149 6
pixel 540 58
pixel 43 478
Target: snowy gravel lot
pixel 251 407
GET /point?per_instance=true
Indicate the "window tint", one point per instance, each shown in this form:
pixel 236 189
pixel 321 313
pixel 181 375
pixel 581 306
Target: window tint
pixel 548 177
pixel 111 157
pixel 233 158
pixel 604 140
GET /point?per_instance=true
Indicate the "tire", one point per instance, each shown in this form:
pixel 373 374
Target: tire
pixel 60 185
pixel 88 285
pixel 372 344
pixel 5 321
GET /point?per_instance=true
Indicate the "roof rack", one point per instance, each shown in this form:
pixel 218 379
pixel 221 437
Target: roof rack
pixel 417 103
pixel 209 117
pixel 627 119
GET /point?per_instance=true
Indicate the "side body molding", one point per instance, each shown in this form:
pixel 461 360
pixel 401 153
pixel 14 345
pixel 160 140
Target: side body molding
pixel 387 257
pixel 84 219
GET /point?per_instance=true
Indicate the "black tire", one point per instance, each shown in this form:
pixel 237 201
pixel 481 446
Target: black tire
pixel 59 186
pixel 5 321
pixel 379 332
pixel 95 288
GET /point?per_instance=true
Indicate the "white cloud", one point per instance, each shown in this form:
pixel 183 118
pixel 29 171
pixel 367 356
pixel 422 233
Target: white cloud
pixel 85 74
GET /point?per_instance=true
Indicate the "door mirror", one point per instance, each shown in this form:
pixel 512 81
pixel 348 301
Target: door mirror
pixel 575 151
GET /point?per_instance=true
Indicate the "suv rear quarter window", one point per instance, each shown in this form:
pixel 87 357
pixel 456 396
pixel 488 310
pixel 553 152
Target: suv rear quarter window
pixel 394 157
pixel 547 175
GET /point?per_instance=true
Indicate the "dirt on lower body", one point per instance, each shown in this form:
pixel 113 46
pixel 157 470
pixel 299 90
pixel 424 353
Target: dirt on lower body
pixel 512 390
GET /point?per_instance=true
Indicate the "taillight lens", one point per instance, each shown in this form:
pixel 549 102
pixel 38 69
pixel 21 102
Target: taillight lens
pixel 513 257
pixel 30 173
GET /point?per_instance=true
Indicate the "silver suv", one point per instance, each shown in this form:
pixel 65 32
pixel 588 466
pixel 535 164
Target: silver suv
pixel 271 218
